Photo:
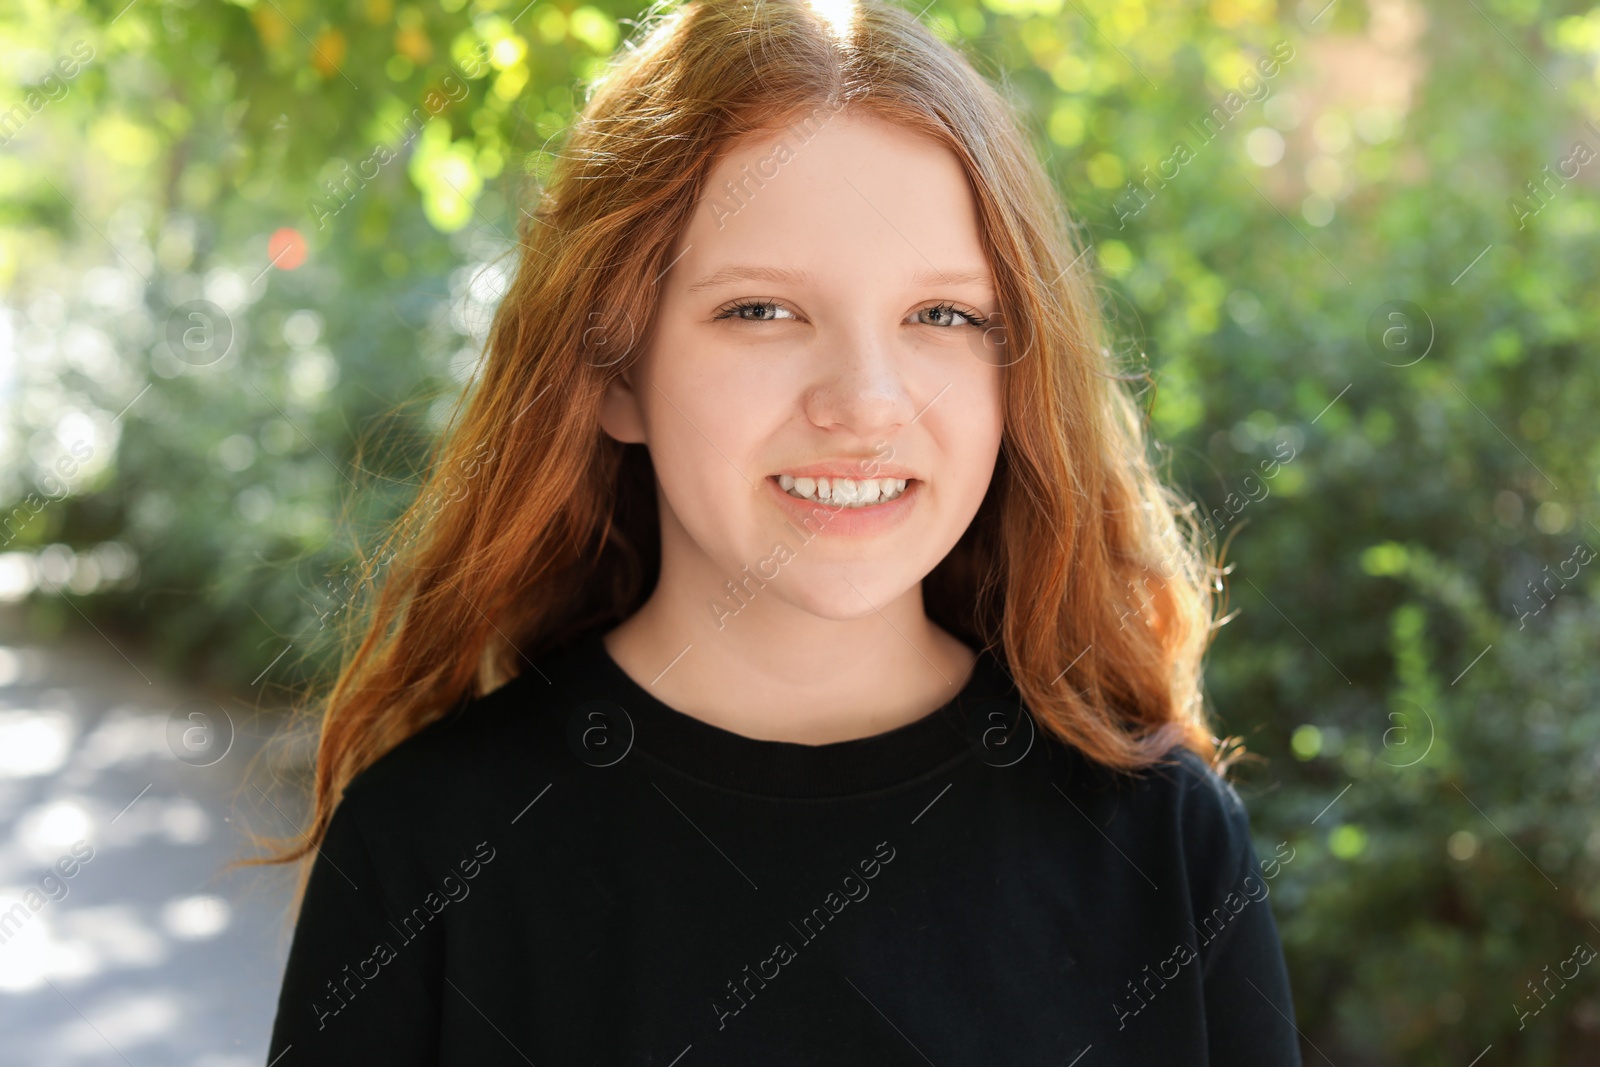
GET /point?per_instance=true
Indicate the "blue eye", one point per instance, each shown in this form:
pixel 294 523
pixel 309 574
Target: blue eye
pixel 767 311
pixel 738 307
pixel 968 318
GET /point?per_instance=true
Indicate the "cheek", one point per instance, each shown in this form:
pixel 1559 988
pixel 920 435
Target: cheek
pixel 976 423
pixel 699 424
pixel 969 449
pixel 706 421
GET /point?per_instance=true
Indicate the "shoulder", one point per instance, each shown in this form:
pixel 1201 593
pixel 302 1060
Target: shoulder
pixel 1210 824
pixel 479 756
pixel 1198 790
pixel 1178 806
pixel 1211 815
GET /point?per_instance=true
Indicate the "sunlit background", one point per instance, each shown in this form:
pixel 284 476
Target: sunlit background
pixel 248 258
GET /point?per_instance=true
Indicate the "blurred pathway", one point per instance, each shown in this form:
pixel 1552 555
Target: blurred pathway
pixel 146 955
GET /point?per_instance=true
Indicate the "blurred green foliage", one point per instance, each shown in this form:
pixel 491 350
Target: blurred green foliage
pixel 1379 260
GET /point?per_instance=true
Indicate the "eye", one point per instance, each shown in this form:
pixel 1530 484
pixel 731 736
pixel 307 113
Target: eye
pixel 737 309
pixel 948 313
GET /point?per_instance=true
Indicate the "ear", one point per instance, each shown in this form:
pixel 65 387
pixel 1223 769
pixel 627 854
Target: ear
pixel 621 415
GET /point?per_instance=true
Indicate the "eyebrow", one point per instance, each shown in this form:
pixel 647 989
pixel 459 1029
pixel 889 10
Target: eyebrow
pixel 735 272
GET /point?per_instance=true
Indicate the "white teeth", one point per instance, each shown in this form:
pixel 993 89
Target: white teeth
pixel 844 492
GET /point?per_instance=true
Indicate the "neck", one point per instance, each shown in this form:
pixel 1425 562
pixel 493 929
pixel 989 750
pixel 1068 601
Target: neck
pixel 757 664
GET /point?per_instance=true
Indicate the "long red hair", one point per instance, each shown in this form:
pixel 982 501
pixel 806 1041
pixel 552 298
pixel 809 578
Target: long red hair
pixel 1081 567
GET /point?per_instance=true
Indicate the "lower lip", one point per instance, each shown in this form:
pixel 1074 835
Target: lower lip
pixel 817 517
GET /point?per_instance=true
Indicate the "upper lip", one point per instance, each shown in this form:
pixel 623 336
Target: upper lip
pixel 854 470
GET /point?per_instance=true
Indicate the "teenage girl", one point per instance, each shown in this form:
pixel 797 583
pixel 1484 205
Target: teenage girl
pixel 794 658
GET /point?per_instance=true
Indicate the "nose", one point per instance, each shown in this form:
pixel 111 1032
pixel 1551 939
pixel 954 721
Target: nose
pixel 860 385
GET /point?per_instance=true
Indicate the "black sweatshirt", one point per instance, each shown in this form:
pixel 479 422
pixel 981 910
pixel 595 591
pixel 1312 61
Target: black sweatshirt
pixel 567 871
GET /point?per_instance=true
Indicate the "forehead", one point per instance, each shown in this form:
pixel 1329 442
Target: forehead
pixel 846 197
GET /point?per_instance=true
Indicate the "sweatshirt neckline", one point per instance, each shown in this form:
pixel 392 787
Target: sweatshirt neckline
pixel 786 769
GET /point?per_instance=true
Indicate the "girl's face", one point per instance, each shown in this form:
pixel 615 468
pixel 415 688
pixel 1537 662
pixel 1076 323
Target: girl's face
pixel 817 321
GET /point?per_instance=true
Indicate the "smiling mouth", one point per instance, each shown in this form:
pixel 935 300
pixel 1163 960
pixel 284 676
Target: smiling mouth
pixel 844 492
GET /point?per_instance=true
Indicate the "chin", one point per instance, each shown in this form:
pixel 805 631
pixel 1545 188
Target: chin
pixel 830 596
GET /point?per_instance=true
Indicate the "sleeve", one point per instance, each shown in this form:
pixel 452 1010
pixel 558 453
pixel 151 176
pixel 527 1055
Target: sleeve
pixel 355 990
pixel 1249 1008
